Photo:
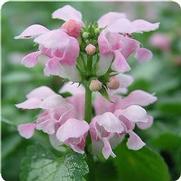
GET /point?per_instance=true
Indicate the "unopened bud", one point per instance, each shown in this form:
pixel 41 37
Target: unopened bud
pixel 85 35
pixel 113 83
pixel 72 28
pixel 95 85
pixel 97 30
pixel 90 49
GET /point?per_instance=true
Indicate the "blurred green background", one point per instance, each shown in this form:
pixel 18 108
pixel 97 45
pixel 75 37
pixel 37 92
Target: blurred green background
pixel 162 75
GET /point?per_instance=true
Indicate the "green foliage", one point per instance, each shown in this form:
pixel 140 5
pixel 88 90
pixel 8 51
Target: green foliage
pixel 144 164
pixel 41 164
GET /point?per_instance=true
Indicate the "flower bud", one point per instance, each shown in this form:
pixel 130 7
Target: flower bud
pixel 90 49
pixel 95 85
pixel 72 28
pixel 113 83
pixel 85 35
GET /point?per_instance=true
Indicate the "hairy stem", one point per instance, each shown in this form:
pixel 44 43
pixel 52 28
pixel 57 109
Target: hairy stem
pixel 88 104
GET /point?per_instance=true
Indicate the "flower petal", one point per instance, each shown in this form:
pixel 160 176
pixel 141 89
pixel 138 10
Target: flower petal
pixel 54 101
pixel 71 52
pixel 72 128
pixel 55 39
pixel 120 64
pixel 26 130
pixel 107 150
pixel 137 97
pixel 52 67
pixel 129 46
pixel 104 64
pixel 146 125
pixel 121 25
pixel 143 55
pixel 40 93
pixel 110 122
pixel 32 103
pixel 73 88
pixel 31 59
pixel 134 141
pixel 141 25
pixel 109 18
pixel 66 13
pixel 32 32
pixel 135 113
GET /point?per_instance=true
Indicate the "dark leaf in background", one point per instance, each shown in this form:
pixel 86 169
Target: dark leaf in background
pixel 144 164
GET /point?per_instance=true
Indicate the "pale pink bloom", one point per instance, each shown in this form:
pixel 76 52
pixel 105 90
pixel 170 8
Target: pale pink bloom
pixel 32 32
pixel 130 117
pixel 137 97
pixel 124 25
pixel 143 54
pixel 121 47
pixel 26 130
pixel 50 120
pixel 73 20
pixel 44 98
pixel 77 99
pixel 66 13
pixel 161 41
pixel 73 133
pixel 109 18
pixel 103 129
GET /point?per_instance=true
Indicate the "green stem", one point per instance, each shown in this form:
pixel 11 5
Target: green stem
pixel 88 104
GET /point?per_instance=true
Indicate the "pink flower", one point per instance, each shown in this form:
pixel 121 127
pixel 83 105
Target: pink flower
pixel 108 130
pixel 73 20
pixel 103 129
pixel 32 32
pixel 121 47
pixel 44 98
pixel 161 41
pixel 73 133
pixel 123 25
pixel 26 130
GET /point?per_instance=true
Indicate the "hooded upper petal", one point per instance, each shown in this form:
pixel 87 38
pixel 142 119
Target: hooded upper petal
pixel 55 39
pixel 141 25
pixel 41 92
pixel 32 103
pixel 72 128
pixel 147 124
pixel 124 25
pixel 109 122
pixel 109 18
pixel 134 113
pixel 66 13
pixel 32 32
pixel 26 130
pixel 137 97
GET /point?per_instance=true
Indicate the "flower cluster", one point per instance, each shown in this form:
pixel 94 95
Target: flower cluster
pixel 94 59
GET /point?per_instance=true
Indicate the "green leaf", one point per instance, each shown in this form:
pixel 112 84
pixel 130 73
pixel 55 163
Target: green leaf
pixel 41 164
pixel 144 164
